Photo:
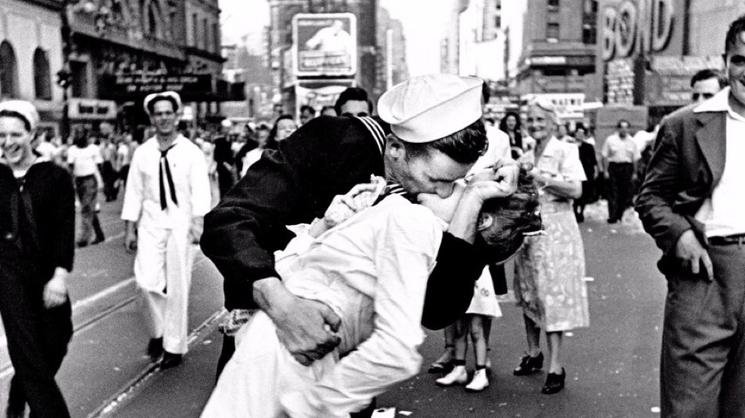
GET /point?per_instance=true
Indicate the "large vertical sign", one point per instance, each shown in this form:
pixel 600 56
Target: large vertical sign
pixel 325 44
pixel 625 26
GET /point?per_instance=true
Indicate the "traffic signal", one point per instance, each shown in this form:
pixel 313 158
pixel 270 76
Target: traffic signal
pixel 63 78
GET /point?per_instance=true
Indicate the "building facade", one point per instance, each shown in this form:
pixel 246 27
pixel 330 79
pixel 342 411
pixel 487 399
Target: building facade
pixel 557 54
pixel 121 50
pixel 30 54
pixel 392 67
pixel 450 42
pixel 481 41
pixel 291 89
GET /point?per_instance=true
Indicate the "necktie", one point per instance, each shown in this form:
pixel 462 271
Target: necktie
pixel 164 163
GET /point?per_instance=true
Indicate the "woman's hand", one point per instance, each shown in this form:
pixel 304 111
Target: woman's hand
pixel 499 180
pixel 55 291
pixel 360 197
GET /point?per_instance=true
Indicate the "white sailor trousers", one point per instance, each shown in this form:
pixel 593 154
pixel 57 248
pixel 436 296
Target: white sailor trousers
pixel 163 274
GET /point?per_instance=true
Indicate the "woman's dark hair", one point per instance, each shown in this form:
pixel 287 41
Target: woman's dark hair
pixel 513 218
pixel 80 138
pixel 503 122
pixel 516 139
pixel 271 140
pixel 17 115
pixel 464 146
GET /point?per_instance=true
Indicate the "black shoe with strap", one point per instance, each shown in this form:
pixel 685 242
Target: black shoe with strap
pixel 529 365
pixel 170 360
pixel 554 382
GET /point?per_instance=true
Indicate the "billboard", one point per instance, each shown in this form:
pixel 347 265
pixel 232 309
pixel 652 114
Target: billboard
pixel 325 44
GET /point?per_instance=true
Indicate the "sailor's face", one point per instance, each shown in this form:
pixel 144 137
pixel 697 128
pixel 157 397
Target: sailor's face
pixel 15 140
pixel 164 117
pixel 431 172
pixel 444 208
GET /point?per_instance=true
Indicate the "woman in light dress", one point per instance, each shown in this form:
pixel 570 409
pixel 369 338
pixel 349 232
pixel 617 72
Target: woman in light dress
pixel 550 268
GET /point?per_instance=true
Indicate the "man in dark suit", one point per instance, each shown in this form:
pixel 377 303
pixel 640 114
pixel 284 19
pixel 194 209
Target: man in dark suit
pixel 692 203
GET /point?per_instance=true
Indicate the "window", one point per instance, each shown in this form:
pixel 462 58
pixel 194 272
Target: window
pixel 8 71
pixel 42 78
pixel 589 35
pixel 206 32
pixel 195 30
pixel 79 78
pixel 553 5
pixel 552 32
pixel 216 38
pixel 152 24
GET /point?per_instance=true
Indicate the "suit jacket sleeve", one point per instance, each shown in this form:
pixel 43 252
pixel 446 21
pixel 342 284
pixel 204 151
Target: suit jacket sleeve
pixel 655 200
pixel 450 285
pixel 243 231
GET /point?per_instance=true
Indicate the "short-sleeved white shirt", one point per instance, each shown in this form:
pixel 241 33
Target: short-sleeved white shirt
pixel 84 160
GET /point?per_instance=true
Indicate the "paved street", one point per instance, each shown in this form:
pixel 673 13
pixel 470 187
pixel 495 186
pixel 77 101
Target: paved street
pixel 612 366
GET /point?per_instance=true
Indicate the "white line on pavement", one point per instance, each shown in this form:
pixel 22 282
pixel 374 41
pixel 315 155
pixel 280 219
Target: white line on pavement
pixel 102 294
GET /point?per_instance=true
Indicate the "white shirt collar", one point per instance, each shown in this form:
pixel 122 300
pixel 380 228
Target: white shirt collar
pixel 718 103
pixel 179 139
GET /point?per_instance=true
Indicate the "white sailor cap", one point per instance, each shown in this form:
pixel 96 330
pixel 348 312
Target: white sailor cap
pixel 430 107
pixel 164 95
pixel 26 110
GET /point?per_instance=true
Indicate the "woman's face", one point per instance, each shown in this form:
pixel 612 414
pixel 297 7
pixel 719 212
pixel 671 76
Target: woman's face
pixel 261 137
pixel 15 140
pixel 580 135
pixel 285 128
pixel 511 122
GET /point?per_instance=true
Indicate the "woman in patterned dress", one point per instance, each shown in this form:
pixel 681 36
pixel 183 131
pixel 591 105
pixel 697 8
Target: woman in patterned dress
pixel 550 268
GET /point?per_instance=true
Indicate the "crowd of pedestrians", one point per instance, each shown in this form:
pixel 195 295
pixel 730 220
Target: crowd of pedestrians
pixel 340 237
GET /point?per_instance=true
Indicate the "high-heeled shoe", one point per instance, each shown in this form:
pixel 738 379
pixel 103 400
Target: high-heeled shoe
pixel 440 367
pixel 529 365
pixel 444 364
pixel 554 382
pixel 457 376
pixel 479 381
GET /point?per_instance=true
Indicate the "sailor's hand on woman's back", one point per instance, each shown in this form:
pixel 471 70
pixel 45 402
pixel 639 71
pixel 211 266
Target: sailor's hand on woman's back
pixel 306 328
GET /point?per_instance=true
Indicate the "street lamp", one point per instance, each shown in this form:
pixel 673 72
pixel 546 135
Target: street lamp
pixel 64 75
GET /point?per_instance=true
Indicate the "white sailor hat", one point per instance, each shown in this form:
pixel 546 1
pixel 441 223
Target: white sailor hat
pixel 25 109
pixel 167 95
pixel 430 107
